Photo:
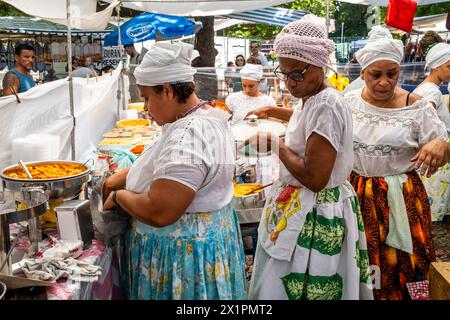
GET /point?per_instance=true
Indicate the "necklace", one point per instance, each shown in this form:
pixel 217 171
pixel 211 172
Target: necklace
pixel 386 103
pixel 191 110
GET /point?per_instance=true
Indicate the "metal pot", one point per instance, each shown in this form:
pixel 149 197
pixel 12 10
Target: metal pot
pixel 34 204
pixel 65 188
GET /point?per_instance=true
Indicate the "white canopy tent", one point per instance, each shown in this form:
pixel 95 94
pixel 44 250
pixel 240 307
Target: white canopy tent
pixel 83 12
pixel 72 13
pixel 196 8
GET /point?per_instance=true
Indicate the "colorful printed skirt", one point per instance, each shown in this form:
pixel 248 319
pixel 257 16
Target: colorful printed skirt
pixel 396 267
pixel 200 256
pixel 311 246
pixel 438 191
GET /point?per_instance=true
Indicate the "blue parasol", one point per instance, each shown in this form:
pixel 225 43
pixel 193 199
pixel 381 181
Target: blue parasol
pixel 151 26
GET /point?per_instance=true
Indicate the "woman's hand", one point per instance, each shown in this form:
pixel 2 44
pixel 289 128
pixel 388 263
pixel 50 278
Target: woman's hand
pixel 263 142
pixel 431 156
pixel 115 182
pixel 261 113
pixel 109 203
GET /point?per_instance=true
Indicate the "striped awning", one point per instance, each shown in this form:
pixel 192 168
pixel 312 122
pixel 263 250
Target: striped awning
pixel 271 16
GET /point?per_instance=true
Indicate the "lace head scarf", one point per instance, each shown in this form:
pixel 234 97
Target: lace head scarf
pixel 305 40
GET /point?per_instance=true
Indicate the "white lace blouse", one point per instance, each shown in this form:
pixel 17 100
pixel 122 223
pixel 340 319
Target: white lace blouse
pixel 384 140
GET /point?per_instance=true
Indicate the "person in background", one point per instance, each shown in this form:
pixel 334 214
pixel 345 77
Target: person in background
pixel 255 53
pixel 88 64
pixel 257 56
pixel 78 69
pixel 250 98
pixel 107 69
pixel 50 76
pixel 18 79
pixel 184 240
pixel 396 136
pixel 135 60
pixel 253 60
pixel 438 185
pixel 239 62
pixel 311 241
pixel 229 76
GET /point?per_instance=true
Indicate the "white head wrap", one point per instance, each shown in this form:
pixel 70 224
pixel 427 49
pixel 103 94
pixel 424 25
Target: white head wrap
pixel 305 40
pixel 166 63
pixel 252 72
pixel 437 55
pixel 381 46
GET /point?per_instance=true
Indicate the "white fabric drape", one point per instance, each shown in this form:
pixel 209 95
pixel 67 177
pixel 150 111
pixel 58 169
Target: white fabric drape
pixel 83 12
pixel 45 110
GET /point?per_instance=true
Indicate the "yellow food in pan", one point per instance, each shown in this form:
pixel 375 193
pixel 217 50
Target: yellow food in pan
pixel 133 123
pixel 241 190
pixel 116 141
pixel 46 171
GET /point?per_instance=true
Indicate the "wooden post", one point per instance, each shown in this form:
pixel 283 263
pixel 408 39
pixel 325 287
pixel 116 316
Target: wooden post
pixel 440 281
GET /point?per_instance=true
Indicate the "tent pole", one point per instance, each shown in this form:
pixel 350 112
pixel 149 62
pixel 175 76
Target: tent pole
pixel 69 65
pixel 121 91
pixel 328 17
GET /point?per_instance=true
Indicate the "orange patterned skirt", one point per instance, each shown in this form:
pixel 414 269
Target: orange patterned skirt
pixel 396 267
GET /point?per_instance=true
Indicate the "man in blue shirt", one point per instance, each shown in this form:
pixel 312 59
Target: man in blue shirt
pixel 18 79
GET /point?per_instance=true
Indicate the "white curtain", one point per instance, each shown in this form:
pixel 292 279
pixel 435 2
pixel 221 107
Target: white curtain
pixel 45 109
pixel 83 12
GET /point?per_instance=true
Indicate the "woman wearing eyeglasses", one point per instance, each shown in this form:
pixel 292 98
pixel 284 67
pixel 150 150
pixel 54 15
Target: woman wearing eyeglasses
pixel 311 237
pixel 239 62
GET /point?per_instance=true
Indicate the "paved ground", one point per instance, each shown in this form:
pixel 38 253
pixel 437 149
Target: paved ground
pixel 441 239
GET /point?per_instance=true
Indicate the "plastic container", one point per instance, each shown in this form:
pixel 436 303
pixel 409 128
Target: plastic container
pixel 101 167
pixel 400 14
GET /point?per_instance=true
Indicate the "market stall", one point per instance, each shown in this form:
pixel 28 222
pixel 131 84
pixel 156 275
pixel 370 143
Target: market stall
pixel 50 43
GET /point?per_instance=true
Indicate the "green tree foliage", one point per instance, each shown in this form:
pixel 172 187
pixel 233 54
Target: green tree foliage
pixel 318 7
pixel 431 9
pixel 8 10
pixel 354 18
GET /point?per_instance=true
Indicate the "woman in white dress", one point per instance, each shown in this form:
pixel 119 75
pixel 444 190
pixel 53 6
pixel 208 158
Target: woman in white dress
pixel 394 133
pixel 438 185
pixel 311 240
pixel 250 98
pixel 184 241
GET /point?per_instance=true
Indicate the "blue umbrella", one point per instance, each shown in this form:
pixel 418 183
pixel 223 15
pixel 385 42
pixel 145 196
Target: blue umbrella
pixel 150 26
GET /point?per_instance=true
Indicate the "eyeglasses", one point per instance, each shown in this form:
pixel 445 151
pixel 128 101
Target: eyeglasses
pixel 254 47
pixel 297 76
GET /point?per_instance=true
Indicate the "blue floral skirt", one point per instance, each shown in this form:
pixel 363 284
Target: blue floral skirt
pixel 200 256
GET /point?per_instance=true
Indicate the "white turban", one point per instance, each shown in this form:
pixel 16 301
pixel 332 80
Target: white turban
pixel 252 72
pixel 437 55
pixel 166 63
pixel 381 46
pixel 305 40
